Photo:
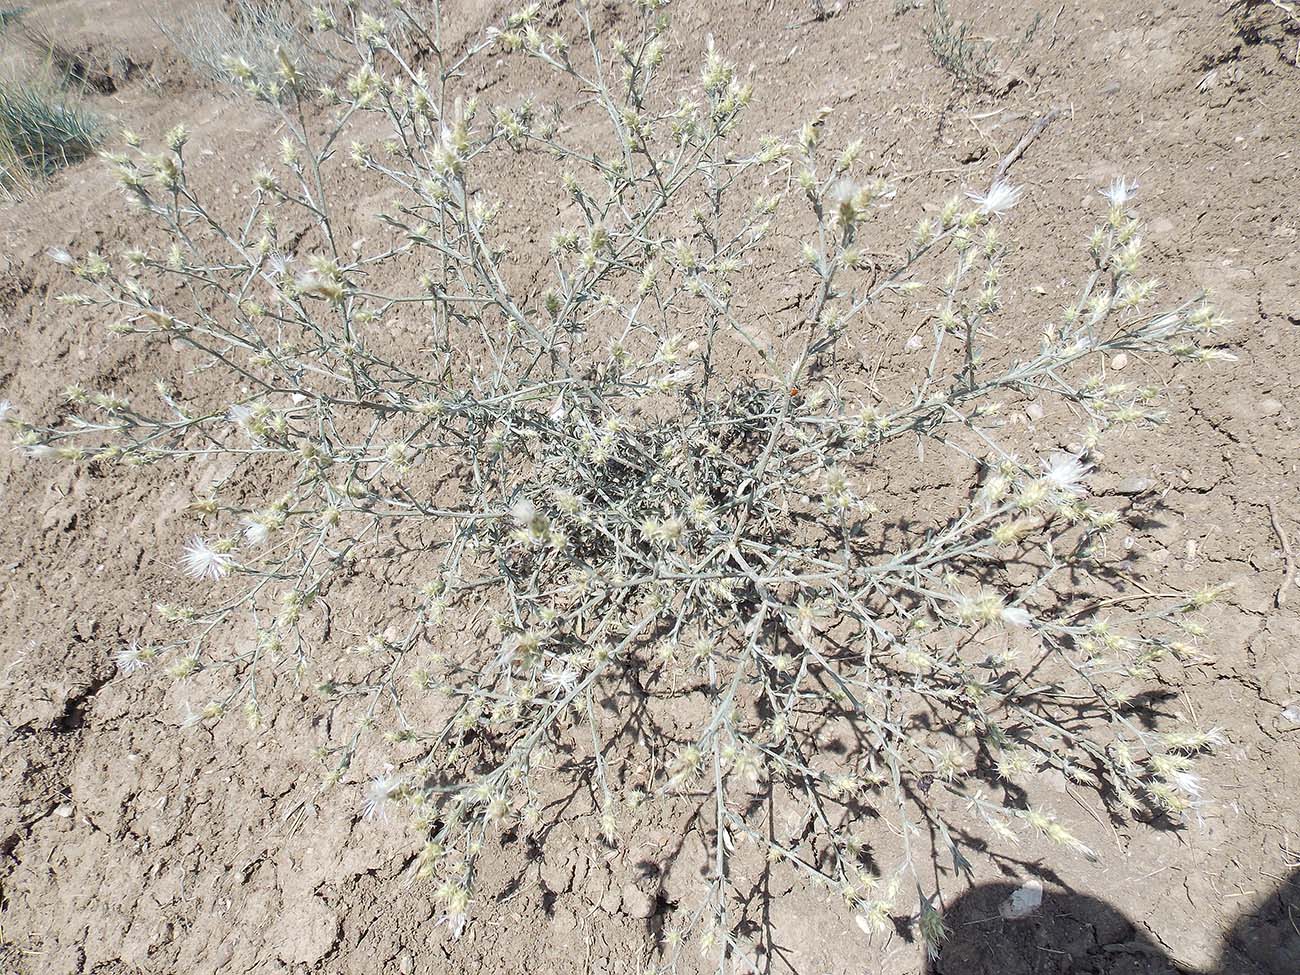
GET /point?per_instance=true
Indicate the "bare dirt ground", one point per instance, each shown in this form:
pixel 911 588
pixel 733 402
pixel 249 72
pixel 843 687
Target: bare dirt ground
pixel 130 845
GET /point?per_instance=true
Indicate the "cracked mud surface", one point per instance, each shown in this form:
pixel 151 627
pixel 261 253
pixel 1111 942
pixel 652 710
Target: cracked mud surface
pixel 129 845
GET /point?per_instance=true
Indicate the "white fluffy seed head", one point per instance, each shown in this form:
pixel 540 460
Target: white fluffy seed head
pixel 202 561
pixel 999 198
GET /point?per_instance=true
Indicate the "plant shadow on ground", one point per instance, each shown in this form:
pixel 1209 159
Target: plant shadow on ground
pixel 1257 22
pixel 1087 936
pixel 1070 933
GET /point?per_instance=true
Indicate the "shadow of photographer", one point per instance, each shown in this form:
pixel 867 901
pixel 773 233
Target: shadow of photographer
pixel 1081 935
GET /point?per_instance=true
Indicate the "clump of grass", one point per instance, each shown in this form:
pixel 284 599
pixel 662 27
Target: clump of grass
pixel 68 68
pixel 40 133
pixel 15 181
pixel 10 16
pixel 252 43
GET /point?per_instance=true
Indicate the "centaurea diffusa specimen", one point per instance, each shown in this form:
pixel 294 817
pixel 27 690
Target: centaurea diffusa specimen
pixel 1065 472
pixel 998 199
pixel 638 491
pixel 205 560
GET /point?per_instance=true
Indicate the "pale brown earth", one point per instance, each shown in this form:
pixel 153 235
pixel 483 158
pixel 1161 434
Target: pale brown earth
pixel 130 845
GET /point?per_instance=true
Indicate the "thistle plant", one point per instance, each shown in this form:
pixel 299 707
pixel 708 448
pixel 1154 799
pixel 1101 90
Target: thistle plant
pixel 620 480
